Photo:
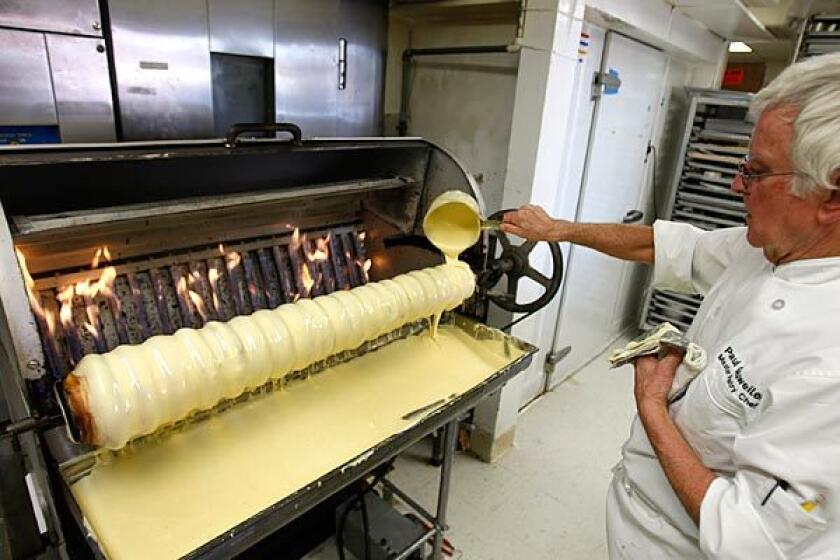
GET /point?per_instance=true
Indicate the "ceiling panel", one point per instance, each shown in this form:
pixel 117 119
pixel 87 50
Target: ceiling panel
pixel 729 19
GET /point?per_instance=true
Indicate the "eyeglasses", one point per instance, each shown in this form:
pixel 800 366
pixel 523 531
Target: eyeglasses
pixel 749 179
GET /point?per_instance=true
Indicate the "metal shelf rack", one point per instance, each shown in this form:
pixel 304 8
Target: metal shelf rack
pixel 820 35
pixel 716 139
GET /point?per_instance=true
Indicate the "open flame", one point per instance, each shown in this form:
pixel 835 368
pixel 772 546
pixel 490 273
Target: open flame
pixel 294 244
pixel 50 318
pixel 65 313
pixel 190 296
pixel 90 329
pixel 22 262
pixel 87 292
pixel 298 242
pixel 198 302
pixel 306 279
pixel 100 254
pixel 105 284
pixel 322 251
pixel 42 316
pixel 81 313
pixel 181 287
pixel 213 277
pixel 363 265
pixel 83 289
pixel 34 303
pixel 365 268
pixel 232 260
pixel 318 255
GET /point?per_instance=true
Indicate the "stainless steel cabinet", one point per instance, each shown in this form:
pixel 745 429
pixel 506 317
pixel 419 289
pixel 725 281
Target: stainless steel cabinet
pixel 324 58
pixel 57 81
pixel 162 54
pixel 74 17
pixel 312 40
pixel 82 88
pixel 244 28
pixel 26 96
pixel 306 64
pixel 363 25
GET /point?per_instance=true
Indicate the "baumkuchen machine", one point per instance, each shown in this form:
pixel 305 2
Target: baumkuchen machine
pixel 203 340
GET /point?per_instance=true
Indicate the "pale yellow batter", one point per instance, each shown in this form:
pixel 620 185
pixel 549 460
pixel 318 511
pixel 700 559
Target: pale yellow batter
pixel 164 499
pixel 453 223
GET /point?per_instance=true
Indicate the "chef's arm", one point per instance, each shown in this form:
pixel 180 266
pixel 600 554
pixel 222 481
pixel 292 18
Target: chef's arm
pixel 689 478
pixel 627 242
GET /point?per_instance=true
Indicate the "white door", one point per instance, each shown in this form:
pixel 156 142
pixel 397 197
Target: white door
pixel 594 309
pixel 533 381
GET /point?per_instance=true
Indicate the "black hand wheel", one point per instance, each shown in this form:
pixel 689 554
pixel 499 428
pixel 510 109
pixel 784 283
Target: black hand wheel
pixel 513 263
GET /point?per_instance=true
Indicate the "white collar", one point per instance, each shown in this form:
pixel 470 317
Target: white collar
pixel 808 271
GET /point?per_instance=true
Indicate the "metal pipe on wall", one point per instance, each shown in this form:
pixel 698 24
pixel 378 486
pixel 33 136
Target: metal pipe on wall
pixel 409 54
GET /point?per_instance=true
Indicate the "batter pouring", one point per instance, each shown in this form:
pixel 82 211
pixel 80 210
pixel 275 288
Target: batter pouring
pixel 452 224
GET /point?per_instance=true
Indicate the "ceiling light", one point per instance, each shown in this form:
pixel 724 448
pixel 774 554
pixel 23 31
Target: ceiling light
pixel 738 46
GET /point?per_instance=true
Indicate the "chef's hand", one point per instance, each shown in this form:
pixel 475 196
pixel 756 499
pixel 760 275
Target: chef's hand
pixel 654 377
pixel 532 222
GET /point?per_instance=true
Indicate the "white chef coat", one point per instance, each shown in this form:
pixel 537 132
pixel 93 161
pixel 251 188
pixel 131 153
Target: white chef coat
pixel 764 414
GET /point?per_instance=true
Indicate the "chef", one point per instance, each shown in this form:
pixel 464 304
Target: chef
pixel 743 461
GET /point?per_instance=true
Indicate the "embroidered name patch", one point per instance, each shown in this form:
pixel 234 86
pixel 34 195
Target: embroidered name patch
pixel 733 370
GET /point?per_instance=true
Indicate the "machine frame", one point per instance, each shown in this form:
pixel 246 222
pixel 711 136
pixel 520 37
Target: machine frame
pixel 22 360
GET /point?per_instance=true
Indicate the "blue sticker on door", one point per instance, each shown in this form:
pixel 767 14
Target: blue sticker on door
pixel 612 83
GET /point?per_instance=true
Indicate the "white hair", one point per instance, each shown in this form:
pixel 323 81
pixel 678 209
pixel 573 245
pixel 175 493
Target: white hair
pixel 813 88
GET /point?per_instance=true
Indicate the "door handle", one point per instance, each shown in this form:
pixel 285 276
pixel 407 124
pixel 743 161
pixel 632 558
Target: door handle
pixel 632 216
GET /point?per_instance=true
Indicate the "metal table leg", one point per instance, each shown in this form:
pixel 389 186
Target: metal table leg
pixel 449 439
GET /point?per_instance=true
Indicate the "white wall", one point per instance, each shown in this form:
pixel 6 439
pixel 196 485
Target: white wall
pixel 462 102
